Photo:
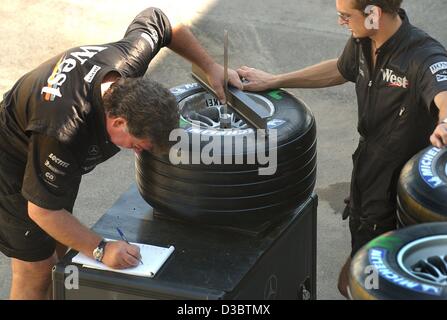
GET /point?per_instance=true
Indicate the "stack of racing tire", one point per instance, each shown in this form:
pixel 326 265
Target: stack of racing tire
pixel 232 176
pixel 422 188
pixel 410 263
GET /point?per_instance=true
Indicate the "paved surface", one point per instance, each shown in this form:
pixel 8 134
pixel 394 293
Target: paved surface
pixel 275 35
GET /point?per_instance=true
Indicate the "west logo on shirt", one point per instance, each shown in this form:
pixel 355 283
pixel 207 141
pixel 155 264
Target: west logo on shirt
pixel 64 66
pixel 393 80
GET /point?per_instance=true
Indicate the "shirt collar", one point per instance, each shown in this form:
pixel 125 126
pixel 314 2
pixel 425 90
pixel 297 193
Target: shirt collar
pixel 397 37
pixel 98 104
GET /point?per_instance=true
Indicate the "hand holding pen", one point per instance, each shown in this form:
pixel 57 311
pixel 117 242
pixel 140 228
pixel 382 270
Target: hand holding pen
pixel 123 237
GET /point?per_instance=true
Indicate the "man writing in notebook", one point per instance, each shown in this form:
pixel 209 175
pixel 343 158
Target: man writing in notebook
pixel 400 74
pixel 65 117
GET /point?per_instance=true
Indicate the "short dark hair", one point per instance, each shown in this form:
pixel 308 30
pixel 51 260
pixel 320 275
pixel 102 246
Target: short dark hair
pixel 388 6
pixel 149 108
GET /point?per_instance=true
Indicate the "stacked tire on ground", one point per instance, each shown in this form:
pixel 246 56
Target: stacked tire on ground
pixel 410 263
pixel 406 264
pixel 229 192
pixel 422 188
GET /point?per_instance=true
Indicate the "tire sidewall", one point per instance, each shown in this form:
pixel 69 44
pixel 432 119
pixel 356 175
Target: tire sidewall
pixel 292 119
pixel 422 186
pixel 393 282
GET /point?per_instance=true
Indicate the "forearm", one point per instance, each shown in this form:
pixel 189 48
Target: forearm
pixel 65 228
pixel 185 44
pixel 441 103
pixel 324 74
pixel 439 136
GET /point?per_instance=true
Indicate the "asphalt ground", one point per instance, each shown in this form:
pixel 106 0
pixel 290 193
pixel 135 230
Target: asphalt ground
pixel 274 35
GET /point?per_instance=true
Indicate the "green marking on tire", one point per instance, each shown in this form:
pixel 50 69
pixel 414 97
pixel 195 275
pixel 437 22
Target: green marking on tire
pixel 386 242
pixel 276 94
pixel 183 123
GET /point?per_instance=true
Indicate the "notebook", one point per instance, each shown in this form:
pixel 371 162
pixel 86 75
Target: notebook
pixel 153 258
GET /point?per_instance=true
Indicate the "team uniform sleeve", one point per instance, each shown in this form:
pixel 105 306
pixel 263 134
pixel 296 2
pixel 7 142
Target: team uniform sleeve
pixel 51 179
pixel 347 62
pixel 432 79
pixel 146 35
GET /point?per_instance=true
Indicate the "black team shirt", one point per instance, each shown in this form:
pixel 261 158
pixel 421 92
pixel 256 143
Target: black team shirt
pixel 52 121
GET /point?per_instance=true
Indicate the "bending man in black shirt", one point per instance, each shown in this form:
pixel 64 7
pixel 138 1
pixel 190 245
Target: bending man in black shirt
pixel 65 117
pixel 401 82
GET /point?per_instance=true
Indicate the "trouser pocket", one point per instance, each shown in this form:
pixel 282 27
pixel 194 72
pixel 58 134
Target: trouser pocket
pixel 17 230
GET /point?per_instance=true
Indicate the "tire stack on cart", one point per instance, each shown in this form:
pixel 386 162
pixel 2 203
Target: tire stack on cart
pixel 232 190
pixel 239 201
pixel 410 263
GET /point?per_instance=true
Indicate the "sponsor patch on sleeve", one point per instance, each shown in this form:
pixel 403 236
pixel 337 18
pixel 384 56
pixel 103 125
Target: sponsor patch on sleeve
pixel 441 77
pixel 54 168
pixel 91 75
pixel 435 68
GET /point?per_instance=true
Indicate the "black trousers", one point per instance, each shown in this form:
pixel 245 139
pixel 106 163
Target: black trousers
pixel 20 237
pixel 372 205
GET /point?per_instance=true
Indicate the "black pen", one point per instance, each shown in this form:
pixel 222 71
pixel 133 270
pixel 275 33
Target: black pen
pixel 127 241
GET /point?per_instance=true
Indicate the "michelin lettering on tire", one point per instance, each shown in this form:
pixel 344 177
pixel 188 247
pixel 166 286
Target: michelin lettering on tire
pixel 428 172
pixel 422 188
pixel 411 264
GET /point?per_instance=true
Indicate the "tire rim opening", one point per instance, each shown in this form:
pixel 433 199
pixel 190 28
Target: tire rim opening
pixel 204 110
pixel 426 259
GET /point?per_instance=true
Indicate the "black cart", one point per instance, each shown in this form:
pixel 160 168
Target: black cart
pixel 275 260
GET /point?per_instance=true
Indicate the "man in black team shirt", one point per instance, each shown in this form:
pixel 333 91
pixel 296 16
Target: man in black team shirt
pixel 400 74
pixel 62 119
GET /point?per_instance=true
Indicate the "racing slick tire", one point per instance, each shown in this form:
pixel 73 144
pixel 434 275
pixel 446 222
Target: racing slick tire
pixel 422 188
pixel 229 191
pixel 406 264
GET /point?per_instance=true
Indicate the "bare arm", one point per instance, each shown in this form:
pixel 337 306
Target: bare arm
pixel 324 74
pixel 439 136
pixel 185 44
pixel 66 229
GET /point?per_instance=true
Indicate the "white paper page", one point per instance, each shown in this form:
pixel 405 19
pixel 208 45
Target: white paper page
pixel 153 258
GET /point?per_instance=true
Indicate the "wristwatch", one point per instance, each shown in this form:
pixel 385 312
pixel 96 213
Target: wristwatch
pixel 99 251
